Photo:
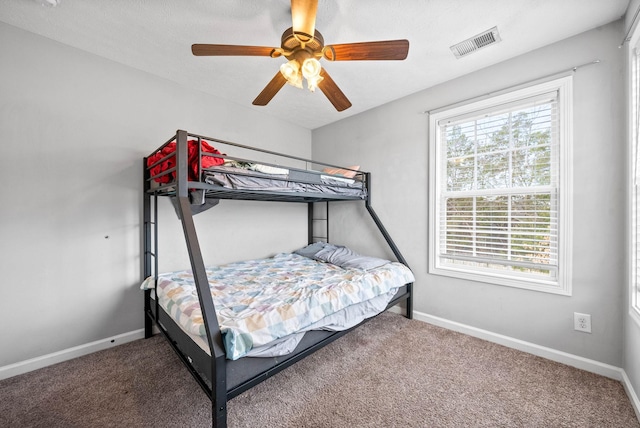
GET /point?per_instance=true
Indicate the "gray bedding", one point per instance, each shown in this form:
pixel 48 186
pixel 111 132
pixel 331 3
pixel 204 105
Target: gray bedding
pixel 294 181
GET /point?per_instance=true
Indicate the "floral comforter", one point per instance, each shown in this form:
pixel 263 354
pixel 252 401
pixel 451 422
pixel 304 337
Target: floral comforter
pixel 259 301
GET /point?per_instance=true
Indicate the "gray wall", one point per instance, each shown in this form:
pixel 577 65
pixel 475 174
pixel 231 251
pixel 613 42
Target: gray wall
pixel 391 142
pixel 74 128
pixel 631 325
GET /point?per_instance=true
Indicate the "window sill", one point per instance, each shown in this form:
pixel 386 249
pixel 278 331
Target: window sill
pixel 502 280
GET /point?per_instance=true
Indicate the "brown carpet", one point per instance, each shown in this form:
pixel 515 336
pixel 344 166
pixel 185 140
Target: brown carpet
pixel 389 372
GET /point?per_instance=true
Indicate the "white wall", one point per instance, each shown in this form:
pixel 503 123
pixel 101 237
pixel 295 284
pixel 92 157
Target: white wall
pixel 391 142
pixel 73 129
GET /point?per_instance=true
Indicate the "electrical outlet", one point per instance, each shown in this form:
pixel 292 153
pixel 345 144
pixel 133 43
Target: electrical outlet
pixel 582 322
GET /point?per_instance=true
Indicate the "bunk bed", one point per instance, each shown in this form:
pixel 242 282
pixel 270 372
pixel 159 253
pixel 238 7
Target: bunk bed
pixel 195 175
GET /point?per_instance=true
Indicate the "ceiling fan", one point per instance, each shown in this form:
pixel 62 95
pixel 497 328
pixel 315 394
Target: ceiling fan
pixel 302 45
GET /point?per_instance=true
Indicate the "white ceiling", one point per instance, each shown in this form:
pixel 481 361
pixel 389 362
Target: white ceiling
pixel 156 36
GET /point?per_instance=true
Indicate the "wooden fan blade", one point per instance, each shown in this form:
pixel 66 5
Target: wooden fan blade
pixel 270 90
pixel 230 50
pixel 384 50
pixel 333 93
pixel 303 14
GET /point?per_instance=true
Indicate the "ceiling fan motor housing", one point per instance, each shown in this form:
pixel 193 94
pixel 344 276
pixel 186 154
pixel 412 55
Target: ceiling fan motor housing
pixel 292 42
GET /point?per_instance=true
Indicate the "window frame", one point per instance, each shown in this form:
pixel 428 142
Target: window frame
pixel 634 178
pixel 563 283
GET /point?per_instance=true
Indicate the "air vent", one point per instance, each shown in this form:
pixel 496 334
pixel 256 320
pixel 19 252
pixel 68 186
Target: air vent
pixel 480 41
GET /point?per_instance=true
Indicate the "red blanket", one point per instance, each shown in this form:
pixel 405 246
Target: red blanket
pixel 170 162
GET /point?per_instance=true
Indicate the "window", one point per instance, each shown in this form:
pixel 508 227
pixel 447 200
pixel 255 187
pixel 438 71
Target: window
pixel 634 178
pixel 500 187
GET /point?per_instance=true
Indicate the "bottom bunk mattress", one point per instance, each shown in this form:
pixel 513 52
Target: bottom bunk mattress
pixel 264 306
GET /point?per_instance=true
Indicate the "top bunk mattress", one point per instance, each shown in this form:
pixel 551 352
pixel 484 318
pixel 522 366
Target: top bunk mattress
pixel 223 176
pixel 283 180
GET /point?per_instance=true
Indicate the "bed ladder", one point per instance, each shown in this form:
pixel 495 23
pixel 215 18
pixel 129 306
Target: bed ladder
pixel 318 227
pixel 318 230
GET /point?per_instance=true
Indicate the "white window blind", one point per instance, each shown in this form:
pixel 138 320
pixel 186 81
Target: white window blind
pixel 497 191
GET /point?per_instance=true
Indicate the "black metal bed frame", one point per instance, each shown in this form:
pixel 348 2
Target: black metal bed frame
pixel 223 379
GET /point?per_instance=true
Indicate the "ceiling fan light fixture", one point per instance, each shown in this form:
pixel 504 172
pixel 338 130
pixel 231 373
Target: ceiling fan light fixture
pixel 311 71
pixel 311 68
pixel 313 82
pixel 297 82
pixel 291 71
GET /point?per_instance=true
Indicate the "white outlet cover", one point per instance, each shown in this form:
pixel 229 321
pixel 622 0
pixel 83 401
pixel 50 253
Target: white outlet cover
pixel 582 322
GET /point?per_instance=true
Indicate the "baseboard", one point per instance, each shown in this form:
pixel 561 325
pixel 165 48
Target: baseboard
pixel 531 348
pixel 68 354
pixel 582 363
pixel 633 397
